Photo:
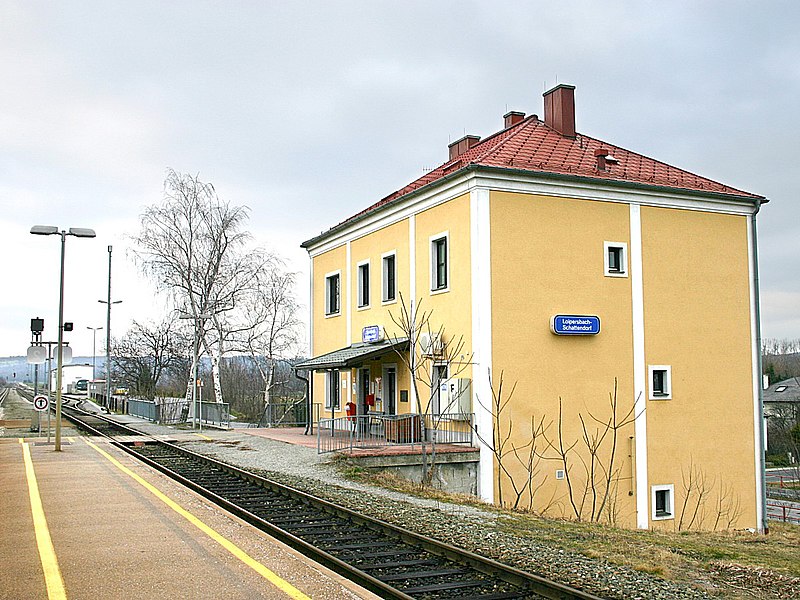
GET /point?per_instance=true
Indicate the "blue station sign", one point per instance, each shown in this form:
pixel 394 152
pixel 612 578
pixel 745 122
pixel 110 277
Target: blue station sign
pixel 575 325
pixel 371 333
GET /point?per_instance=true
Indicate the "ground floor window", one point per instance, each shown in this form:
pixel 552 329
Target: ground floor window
pixel 663 500
pixel 332 387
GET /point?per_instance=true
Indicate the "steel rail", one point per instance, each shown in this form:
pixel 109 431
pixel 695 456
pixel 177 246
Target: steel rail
pixel 515 583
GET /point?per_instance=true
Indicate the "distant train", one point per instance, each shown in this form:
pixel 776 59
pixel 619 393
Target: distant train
pixel 74 380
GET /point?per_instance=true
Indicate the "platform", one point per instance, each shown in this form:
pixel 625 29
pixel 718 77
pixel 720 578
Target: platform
pixel 119 529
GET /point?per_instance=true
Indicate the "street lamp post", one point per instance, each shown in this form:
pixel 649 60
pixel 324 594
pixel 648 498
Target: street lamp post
pixel 108 304
pixel 81 233
pixel 94 350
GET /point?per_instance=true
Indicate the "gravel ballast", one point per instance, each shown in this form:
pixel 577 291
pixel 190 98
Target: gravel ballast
pixel 468 527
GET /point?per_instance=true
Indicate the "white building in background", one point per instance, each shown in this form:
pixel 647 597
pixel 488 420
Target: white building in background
pixel 70 375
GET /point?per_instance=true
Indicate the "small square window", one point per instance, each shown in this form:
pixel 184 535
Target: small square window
pixel 615 259
pixel 663 502
pixel 389 293
pixel 440 268
pixel 332 290
pixel 660 382
pixel 363 284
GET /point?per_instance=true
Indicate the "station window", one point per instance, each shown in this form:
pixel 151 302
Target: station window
pixel 363 284
pixel 440 267
pixel 615 259
pixel 663 499
pixel 389 293
pixel 332 383
pixel 660 382
pixel 332 293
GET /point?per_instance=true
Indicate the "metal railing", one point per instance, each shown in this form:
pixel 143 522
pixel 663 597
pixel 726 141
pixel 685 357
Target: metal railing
pixel 376 430
pixel 215 414
pixel 451 428
pixel 788 512
pixel 144 409
pixel 172 411
pixel 285 414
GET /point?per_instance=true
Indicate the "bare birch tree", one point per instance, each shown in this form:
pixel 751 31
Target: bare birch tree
pixel 192 245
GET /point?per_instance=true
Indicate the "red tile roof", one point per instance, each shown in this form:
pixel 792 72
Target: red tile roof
pixel 532 146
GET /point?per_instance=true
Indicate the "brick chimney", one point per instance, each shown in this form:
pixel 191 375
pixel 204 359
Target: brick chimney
pixel 601 154
pixel 559 109
pixel 458 147
pixel 512 118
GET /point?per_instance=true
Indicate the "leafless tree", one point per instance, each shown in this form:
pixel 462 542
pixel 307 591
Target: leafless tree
pixel 697 491
pixel 146 352
pixel 524 458
pixel 269 328
pixel 193 246
pixel 411 323
pixel 592 493
pixel 781 358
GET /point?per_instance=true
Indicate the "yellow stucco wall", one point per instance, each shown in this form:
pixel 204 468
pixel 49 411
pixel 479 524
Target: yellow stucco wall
pixel 328 331
pixel 451 309
pixel 697 321
pixel 372 247
pixel 547 259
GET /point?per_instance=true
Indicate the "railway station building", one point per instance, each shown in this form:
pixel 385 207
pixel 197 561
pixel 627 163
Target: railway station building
pixel 614 295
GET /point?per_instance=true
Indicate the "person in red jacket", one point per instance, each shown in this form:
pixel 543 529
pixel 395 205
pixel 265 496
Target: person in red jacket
pixel 350 410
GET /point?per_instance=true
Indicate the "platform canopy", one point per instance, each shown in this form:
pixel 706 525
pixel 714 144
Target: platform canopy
pixel 353 355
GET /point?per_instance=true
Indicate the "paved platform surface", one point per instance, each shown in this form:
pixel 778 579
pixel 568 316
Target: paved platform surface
pixel 119 529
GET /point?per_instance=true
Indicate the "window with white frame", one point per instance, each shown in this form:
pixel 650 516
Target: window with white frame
pixel 662 500
pixel 389 264
pixel 615 259
pixel 332 383
pixel 332 293
pixel 660 378
pixel 440 262
pixel 363 284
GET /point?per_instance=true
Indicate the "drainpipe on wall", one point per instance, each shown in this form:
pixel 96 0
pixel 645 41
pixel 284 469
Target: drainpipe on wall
pixel 310 424
pixel 762 465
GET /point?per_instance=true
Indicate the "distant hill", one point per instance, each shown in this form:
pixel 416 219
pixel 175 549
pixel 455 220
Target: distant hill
pixel 18 365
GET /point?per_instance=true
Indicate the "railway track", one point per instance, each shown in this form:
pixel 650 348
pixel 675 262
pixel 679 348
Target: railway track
pixel 388 560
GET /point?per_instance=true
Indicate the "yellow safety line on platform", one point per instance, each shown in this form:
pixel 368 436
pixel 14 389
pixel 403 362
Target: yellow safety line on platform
pixel 205 437
pixel 270 576
pixel 47 553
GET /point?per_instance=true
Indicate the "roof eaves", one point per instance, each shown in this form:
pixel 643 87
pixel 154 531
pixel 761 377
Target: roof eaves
pixel 745 196
pixel 472 166
pixel 360 217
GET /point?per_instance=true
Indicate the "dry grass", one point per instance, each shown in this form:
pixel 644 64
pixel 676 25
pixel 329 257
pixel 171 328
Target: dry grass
pixel 734 564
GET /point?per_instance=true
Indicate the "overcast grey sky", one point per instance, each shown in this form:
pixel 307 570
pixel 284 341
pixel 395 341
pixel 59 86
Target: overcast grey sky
pixel 307 112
